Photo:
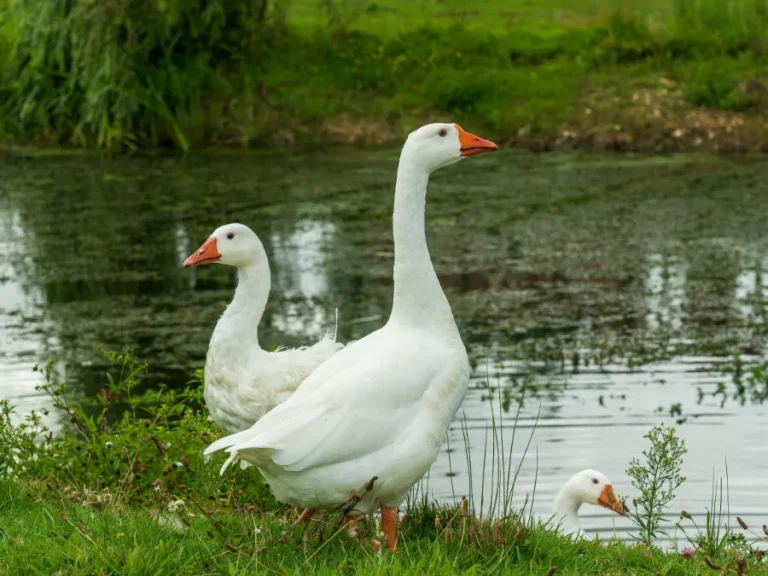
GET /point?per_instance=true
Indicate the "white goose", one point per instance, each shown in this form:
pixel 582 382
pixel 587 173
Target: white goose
pixel 380 407
pixel 242 381
pixel 585 487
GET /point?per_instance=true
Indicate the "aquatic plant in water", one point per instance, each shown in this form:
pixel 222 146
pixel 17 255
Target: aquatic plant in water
pixel 749 382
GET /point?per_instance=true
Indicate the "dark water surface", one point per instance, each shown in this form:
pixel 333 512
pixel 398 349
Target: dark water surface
pixel 612 291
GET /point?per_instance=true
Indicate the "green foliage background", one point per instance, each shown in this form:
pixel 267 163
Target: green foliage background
pixel 123 74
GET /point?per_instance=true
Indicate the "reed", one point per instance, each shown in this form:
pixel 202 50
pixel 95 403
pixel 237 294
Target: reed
pixel 121 73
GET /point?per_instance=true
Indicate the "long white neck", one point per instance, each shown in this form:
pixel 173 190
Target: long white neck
pixel 418 297
pixel 566 511
pixel 237 328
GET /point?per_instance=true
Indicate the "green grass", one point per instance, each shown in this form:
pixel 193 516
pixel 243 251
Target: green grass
pixel 391 17
pixel 126 74
pixel 47 535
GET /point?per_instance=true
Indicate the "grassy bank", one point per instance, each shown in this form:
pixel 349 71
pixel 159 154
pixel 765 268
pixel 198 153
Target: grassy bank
pixel 633 75
pixel 123 489
pixel 47 535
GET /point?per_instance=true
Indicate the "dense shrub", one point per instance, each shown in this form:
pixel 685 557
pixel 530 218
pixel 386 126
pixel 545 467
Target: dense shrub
pixel 122 72
pixel 123 443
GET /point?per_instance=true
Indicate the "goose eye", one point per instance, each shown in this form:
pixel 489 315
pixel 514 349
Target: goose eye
pixel 443 132
pixel 595 481
pixel 230 235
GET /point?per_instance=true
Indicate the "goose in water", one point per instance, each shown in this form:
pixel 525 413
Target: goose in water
pixel 367 424
pixel 585 487
pixel 242 381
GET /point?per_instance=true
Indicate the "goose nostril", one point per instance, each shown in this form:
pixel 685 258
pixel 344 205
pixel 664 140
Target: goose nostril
pixel 200 251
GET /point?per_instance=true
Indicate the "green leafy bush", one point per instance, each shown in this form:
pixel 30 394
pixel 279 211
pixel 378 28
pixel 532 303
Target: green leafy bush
pixel 726 85
pixel 123 443
pixel 122 72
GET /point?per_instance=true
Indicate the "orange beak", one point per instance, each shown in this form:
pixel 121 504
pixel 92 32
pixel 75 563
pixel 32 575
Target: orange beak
pixel 208 253
pixel 608 500
pixel 471 144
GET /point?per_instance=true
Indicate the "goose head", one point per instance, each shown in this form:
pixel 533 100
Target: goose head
pixel 588 487
pixel 231 244
pixel 436 145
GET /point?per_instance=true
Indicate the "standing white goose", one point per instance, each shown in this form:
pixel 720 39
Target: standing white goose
pixel 585 487
pixel 242 381
pixel 380 407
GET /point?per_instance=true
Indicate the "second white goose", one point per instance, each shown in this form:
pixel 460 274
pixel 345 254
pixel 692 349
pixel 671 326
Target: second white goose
pixel 243 381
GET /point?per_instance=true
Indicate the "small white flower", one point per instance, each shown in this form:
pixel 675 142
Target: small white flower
pixel 103 498
pixel 108 444
pixel 156 488
pixel 256 530
pixel 175 505
pixel 178 464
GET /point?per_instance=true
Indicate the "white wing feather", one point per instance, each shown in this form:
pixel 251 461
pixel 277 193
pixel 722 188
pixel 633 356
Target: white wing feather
pixel 343 411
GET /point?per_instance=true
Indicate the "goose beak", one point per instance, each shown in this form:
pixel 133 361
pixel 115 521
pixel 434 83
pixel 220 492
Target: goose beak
pixel 471 144
pixel 609 500
pixel 208 253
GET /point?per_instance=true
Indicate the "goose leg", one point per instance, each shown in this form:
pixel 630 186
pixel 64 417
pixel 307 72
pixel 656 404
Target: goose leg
pixel 389 525
pixel 306 515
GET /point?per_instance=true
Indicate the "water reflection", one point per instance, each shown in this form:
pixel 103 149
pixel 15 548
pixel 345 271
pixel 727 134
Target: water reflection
pixel 751 290
pixel 22 339
pixel 665 286
pixel 299 275
pixel 299 259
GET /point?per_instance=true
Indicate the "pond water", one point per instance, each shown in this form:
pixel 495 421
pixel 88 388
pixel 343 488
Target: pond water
pixel 610 293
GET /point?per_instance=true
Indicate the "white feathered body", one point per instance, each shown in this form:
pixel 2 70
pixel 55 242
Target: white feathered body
pixel 243 383
pixel 355 418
